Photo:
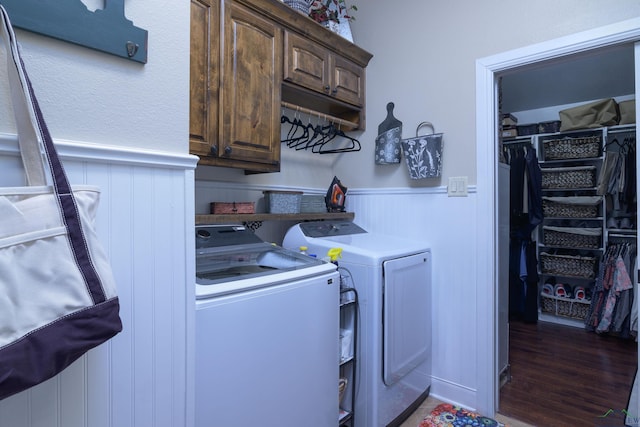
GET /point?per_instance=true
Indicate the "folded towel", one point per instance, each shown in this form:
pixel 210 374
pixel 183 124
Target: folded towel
pixel 547 289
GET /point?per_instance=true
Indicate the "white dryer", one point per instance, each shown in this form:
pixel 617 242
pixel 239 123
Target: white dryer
pixel 393 279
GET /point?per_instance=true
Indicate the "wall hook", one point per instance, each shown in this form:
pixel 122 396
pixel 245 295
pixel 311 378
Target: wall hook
pixel 132 48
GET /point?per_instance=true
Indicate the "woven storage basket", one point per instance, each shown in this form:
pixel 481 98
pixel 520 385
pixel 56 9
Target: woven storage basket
pixel 312 204
pixel 572 148
pixel 572 177
pixel 571 207
pixel 574 309
pixel 568 265
pixel 572 237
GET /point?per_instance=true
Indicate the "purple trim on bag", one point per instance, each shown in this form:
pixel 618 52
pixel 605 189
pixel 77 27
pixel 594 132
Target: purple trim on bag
pixel 60 343
pixel 67 204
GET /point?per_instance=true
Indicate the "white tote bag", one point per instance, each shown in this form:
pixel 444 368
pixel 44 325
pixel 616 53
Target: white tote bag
pixel 57 293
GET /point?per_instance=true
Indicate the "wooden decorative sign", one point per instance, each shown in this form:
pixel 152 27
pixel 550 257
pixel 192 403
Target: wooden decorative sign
pixel 106 30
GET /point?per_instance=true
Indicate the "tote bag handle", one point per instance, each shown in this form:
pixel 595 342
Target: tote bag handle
pixel 24 116
pixel 31 124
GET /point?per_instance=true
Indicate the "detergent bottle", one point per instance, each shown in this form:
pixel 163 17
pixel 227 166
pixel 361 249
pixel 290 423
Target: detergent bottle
pixel 332 255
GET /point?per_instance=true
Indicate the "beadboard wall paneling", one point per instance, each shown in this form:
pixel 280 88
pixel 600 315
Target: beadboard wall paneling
pixel 219 191
pixel 141 377
pixel 414 213
pixel 418 214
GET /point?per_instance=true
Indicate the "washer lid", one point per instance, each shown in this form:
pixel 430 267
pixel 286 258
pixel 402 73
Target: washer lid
pixel 247 261
pixel 231 258
pixel 244 268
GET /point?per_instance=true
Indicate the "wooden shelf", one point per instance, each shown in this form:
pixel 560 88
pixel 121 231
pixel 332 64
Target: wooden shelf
pixel 241 218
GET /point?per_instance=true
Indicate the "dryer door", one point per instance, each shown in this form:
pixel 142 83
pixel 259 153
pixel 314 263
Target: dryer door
pixel 407 315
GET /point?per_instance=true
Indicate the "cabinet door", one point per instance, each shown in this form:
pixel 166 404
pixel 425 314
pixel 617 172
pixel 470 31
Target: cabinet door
pixel 314 67
pixel 204 84
pixel 306 63
pixel 251 88
pixel 347 81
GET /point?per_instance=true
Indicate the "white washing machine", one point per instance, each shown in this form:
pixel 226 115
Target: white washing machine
pixel 267 333
pixel 393 279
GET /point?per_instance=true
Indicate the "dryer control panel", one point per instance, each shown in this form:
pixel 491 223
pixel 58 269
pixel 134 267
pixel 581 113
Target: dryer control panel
pixel 330 228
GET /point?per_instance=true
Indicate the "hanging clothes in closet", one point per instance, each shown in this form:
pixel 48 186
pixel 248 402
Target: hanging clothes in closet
pixel 525 215
pixel 612 296
pixel 617 182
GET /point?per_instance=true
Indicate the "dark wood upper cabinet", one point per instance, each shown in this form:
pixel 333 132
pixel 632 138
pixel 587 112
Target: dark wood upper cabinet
pixel 250 57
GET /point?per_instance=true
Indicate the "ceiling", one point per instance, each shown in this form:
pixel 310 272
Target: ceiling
pixel 602 73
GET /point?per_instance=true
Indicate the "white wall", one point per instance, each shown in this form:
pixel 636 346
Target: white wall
pixel 418 214
pixel 424 57
pixel 90 96
pixel 414 214
pixel 122 126
pixel 142 376
pixel 425 62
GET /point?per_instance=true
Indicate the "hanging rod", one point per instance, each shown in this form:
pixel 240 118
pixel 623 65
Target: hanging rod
pixel 517 142
pixel 624 236
pixel 342 122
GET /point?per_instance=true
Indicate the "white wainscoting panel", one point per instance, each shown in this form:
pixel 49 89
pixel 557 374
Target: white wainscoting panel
pixel 142 377
pixel 448 226
pixel 219 191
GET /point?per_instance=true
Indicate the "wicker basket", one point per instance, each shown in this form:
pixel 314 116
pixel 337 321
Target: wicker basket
pixel 312 204
pixel 572 148
pixel 572 308
pixel 568 265
pixel 572 237
pixel 571 207
pixel 571 177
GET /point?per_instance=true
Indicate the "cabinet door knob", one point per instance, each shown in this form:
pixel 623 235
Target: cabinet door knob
pixel 327 88
pixel 335 90
pixel 227 150
pixel 214 150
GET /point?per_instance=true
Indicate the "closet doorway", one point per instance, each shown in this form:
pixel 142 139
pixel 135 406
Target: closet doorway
pixel 559 242
pixel 553 53
pixel 535 95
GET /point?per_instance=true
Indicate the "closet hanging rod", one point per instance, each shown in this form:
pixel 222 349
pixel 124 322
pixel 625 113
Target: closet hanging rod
pixel 624 236
pixel 345 123
pixel 512 143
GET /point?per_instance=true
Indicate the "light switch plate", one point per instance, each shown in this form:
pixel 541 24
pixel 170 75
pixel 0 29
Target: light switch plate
pixel 457 186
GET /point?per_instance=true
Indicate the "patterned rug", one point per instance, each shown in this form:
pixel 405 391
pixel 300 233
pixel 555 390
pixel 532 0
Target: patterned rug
pixel 447 415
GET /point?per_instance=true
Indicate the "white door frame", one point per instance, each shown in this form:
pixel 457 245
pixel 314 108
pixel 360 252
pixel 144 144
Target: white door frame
pixel 487 166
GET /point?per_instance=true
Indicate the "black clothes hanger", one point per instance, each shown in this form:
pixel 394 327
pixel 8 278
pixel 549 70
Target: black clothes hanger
pixel 339 133
pixel 315 137
pixel 298 131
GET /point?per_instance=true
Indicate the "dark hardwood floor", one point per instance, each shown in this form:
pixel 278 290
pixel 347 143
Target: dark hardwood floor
pixel 564 376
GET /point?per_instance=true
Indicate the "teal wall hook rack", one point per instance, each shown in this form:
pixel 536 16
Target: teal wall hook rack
pixel 106 30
